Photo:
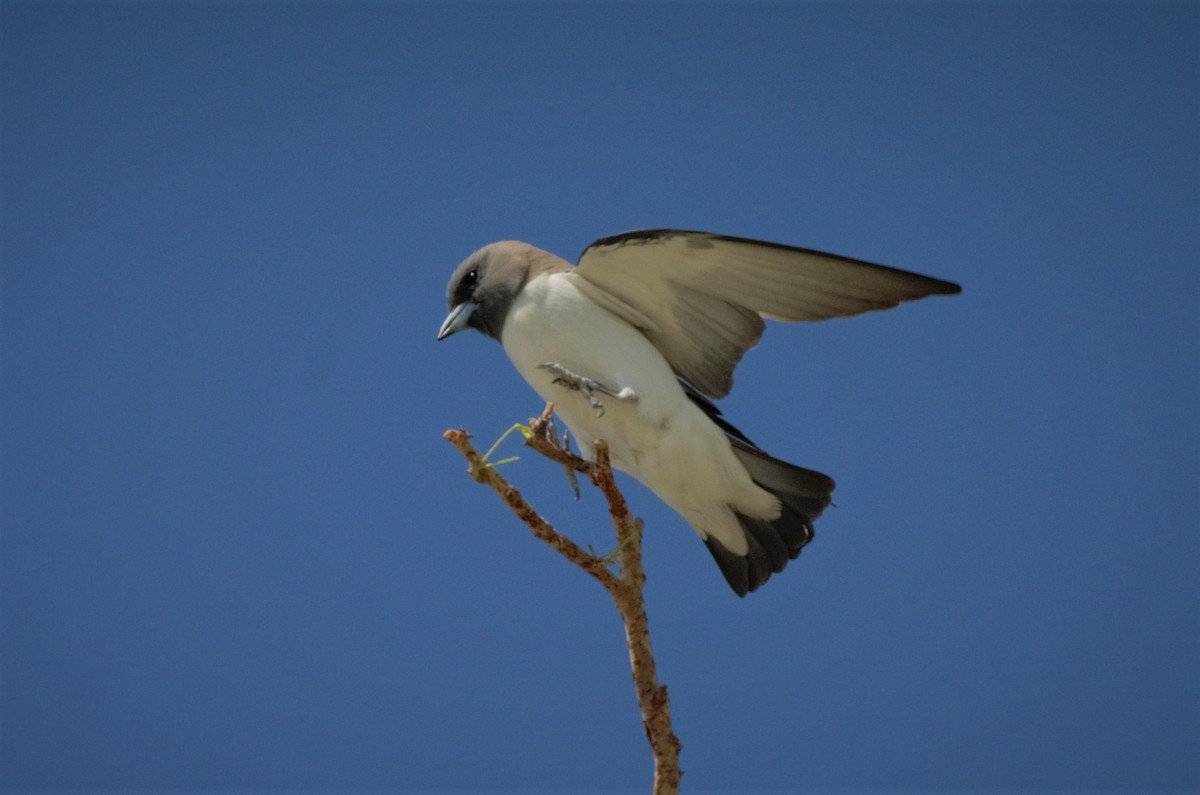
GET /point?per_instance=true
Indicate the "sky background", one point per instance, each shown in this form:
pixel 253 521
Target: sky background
pixel 236 553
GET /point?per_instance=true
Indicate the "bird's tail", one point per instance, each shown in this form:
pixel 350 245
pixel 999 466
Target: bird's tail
pixel 803 495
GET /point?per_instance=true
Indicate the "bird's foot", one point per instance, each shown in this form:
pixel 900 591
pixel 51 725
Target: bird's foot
pixel 587 386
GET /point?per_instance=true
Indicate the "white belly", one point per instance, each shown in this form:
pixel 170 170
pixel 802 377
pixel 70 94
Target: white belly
pixel 662 438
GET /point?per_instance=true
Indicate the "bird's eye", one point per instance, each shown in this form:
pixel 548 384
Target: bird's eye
pixel 471 278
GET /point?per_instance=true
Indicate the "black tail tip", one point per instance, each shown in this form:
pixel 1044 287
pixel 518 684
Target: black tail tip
pixel 771 546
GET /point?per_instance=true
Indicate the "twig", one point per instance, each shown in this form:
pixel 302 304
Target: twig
pixel 626 588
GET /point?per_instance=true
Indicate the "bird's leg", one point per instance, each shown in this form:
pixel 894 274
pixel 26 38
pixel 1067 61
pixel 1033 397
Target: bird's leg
pixel 587 386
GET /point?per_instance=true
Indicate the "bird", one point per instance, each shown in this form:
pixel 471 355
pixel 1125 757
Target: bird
pixel 635 342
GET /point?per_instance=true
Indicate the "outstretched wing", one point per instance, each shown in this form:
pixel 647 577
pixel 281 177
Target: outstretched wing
pixel 701 298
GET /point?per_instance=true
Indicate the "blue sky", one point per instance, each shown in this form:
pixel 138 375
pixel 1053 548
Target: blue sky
pixel 237 555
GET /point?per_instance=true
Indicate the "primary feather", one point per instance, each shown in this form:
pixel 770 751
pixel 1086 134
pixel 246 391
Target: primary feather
pixel 701 298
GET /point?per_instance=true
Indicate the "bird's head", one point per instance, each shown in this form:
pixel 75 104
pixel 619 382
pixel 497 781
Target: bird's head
pixel 483 288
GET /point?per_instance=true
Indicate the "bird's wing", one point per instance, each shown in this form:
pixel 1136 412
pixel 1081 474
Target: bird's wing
pixel 701 298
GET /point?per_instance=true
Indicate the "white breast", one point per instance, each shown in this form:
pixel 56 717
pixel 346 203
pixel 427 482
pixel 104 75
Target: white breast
pixel 662 439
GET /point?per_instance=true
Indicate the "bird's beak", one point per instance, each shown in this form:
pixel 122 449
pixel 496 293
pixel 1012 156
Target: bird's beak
pixel 457 319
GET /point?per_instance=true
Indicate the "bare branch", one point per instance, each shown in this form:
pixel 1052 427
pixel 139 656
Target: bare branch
pixel 487 474
pixel 626 588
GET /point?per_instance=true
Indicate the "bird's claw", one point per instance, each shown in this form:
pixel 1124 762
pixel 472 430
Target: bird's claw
pixel 586 386
pixel 596 404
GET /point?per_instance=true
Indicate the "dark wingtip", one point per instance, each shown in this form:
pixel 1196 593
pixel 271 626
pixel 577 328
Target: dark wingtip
pixel 942 287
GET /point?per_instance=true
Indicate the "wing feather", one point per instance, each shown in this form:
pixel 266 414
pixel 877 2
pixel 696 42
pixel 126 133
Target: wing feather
pixel 701 298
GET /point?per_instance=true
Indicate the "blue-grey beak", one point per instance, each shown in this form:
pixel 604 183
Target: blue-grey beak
pixel 457 319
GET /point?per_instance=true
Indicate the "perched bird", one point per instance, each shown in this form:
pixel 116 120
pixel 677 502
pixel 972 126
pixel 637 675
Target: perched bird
pixel 634 343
